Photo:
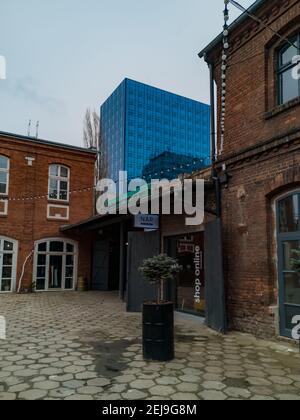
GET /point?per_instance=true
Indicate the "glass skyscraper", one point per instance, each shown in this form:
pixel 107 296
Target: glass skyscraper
pixel 140 122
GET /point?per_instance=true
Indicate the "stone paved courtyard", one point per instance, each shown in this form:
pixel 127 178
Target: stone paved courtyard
pixel 84 346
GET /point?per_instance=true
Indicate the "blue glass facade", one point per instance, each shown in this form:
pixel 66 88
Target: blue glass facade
pixel 139 122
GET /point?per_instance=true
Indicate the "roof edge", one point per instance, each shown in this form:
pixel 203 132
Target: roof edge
pixel 233 26
pixel 47 142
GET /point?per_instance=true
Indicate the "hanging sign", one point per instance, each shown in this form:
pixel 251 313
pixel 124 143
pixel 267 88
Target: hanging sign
pixel 149 222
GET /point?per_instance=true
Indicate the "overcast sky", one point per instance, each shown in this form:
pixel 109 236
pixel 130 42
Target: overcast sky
pixel 66 55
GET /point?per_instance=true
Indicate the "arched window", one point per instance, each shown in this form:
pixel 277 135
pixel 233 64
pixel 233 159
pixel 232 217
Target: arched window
pixel 55 264
pixel 4 175
pixel 59 179
pixel 289 86
pixel 288 216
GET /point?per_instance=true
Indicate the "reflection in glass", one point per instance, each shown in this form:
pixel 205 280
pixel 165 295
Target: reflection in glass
pixel 289 214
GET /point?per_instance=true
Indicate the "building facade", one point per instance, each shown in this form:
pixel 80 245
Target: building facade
pixel 169 165
pixel 259 167
pixel 43 186
pixel 139 122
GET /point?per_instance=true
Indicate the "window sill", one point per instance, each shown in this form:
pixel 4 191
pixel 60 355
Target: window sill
pixel 60 202
pixel 282 108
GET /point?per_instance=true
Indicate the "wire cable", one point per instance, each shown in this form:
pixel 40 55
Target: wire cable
pixel 256 19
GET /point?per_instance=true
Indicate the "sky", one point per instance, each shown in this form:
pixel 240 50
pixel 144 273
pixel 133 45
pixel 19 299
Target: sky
pixel 64 56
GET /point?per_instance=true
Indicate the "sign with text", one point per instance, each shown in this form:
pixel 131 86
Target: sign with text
pixel 149 222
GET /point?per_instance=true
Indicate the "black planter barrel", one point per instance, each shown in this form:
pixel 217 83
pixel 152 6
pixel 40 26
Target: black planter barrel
pixel 158 331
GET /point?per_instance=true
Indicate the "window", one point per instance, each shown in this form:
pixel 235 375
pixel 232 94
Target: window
pixel 59 183
pixel 288 211
pixel 289 87
pixel 4 175
pixel 55 265
pixel 8 263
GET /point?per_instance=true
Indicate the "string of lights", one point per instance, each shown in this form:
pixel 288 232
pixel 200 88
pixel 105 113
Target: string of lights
pixel 224 71
pixel 80 190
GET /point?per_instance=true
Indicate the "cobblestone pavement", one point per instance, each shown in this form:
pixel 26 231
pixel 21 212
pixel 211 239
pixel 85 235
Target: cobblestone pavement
pixel 77 346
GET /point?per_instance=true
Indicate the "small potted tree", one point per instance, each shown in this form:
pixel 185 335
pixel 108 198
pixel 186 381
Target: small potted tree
pixel 158 316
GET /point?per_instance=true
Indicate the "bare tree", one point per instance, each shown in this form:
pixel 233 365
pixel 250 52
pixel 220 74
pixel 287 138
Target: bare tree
pixel 92 139
pixel 91 129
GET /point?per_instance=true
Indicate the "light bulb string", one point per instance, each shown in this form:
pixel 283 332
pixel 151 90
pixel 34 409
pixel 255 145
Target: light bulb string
pixel 85 189
pixel 224 72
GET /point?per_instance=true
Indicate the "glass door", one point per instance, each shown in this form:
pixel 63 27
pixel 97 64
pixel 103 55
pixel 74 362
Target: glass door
pixel 190 286
pixel 55 271
pixel 55 265
pixel 289 262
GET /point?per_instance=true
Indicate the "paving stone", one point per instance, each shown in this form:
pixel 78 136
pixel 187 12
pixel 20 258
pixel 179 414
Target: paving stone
pixel 190 378
pixel 25 373
pixel 73 384
pixel 142 384
pixel 86 375
pixel 287 397
pixel 207 366
pixel 51 371
pixel 108 397
pixel 125 379
pixel 259 381
pixel 74 369
pixel 262 398
pixel 167 380
pixel 187 387
pixel 213 396
pixel 47 385
pixel 19 387
pixel 100 382
pixel 162 390
pixel 7 396
pixel 181 396
pixel 237 393
pixel 90 390
pixel 280 380
pixel 218 386
pixel 134 394
pixel 79 397
pixel 33 394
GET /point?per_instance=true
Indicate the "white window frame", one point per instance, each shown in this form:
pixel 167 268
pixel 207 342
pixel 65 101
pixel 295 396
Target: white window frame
pixel 59 179
pixel 5 212
pixel 14 262
pixel 65 241
pixel 6 171
pixel 57 206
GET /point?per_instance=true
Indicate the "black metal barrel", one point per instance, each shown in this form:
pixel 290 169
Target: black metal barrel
pixel 158 332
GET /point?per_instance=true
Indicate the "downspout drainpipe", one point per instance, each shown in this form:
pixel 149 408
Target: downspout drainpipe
pixel 214 173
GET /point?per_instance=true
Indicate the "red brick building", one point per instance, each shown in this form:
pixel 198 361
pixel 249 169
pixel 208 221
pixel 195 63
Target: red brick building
pixel 43 186
pixel 260 159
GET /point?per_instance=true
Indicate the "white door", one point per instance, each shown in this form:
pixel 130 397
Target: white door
pixel 8 264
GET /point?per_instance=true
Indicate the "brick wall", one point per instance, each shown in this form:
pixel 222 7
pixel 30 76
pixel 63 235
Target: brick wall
pixel 27 220
pixel 261 154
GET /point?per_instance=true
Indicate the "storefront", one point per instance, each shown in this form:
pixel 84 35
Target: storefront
pixel 189 288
